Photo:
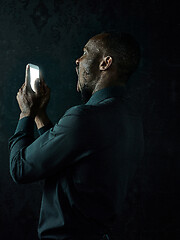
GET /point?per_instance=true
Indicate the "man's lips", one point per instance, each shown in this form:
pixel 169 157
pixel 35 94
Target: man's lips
pixel 77 70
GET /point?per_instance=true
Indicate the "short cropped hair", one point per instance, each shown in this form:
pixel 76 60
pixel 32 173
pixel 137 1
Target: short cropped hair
pixel 124 49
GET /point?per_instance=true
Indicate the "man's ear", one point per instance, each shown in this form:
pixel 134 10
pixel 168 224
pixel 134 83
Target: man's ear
pixel 105 63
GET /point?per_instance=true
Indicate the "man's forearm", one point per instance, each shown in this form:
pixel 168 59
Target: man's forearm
pixel 42 120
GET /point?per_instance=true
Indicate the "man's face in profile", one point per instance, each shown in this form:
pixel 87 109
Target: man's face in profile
pixel 88 69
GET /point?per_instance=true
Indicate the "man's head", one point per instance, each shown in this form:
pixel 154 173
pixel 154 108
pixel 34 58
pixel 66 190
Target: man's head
pixel 109 58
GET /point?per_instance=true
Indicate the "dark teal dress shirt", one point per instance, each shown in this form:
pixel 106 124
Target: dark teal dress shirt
pixel 87 160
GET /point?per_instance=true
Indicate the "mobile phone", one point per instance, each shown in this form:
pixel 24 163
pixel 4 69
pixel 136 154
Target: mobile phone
pixel 33 76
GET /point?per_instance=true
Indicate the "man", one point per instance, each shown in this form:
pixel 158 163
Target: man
pixel 89 158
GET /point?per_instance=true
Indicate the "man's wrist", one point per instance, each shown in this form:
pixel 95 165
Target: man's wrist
pixel 26 124
pixel 22 115
pixel 41 120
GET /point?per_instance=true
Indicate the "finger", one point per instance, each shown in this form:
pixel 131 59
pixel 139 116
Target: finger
pixel 40 75
pixel 41 78
pixel 20 90
pixel 48 91
pixel 46 88
pixel 27 74
pixel 42 82
pixel 22 87
pixel 43 86
pixel 37 86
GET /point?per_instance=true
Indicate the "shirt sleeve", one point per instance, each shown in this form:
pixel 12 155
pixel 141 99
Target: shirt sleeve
pixel 45 128
pixel 32 160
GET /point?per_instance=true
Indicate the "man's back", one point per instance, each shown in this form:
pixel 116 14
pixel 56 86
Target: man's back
pixel 90 191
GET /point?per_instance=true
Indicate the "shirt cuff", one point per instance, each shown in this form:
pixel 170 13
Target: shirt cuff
pixel 45 128
pixel 25 124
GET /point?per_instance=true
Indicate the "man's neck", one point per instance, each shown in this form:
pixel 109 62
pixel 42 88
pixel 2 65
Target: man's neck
pixel 109 81
pixel 110 84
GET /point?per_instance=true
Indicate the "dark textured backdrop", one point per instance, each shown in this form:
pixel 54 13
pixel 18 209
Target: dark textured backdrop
pixel 51 34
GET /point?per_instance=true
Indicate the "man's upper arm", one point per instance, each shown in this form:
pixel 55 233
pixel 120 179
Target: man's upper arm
pixel 51 152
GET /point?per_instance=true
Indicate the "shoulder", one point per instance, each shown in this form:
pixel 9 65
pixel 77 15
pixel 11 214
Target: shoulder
pixel 74 117
pixel 75 124
pixel 78 111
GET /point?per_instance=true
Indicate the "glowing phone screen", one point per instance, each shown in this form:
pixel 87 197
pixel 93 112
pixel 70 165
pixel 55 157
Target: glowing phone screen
pixel 34 75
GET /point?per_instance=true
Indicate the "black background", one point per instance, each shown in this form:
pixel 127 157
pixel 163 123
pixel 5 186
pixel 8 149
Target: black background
pixel 52 34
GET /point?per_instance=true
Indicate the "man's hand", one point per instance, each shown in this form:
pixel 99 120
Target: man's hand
pixel 41 118
pixel 44 92
pixel 33 103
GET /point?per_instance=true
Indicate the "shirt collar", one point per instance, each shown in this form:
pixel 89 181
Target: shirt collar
pixel 107 92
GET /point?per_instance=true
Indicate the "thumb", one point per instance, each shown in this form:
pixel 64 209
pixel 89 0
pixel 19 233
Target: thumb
pixel 37 85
